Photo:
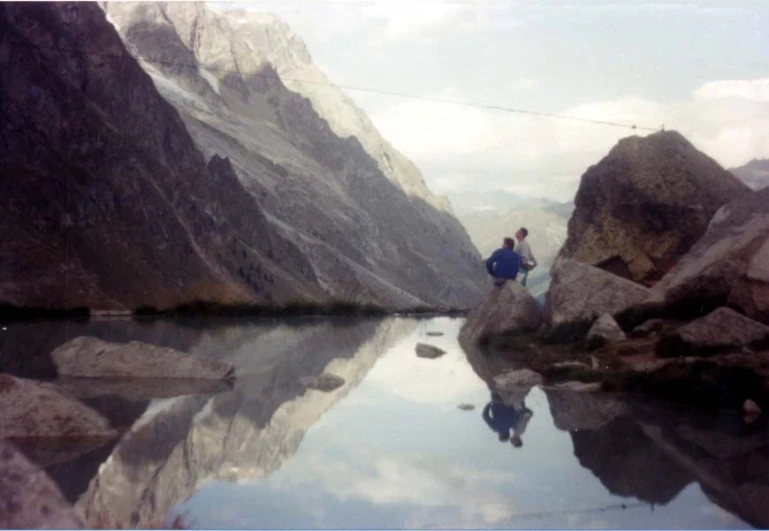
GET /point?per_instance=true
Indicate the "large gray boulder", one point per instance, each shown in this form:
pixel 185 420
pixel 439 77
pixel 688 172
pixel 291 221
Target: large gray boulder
pixel 507 309
pixel 645 204
pixel 94 358
pixel 722 330
pixel 605 330
pixel 29 499
pixel 729 264
pixel 31 409
pixel 580 293
pixel 577 410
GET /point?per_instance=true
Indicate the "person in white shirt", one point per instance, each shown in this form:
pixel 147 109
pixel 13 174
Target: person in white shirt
pixel 528 262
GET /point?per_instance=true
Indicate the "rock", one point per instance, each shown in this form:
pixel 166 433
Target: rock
pixel 728 265
pixel 576 386
pixel 507 309
pixel 466 407
pixel 93 358
pixel 30 499
pixel 434 334
pixel 604 330
pixel 519 378
pixel 647 328
pixel 580 293
pixel 751 408
pixel 722 330
pixel 429 351
pixel 574 409
pixel 645 204
pixel 571 370
pixel 31 409
pixel 325 382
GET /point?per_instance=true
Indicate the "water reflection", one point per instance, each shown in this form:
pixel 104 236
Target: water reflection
pixel 390 448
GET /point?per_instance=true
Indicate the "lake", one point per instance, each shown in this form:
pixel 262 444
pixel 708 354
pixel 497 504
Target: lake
pixel 390 448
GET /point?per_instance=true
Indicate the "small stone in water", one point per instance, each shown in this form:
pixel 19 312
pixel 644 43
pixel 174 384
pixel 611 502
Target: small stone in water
pixel 434 334
pixel 325 382
pixel 466 407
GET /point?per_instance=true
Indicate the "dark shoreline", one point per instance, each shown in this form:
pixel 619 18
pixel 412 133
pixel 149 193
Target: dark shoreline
pixel 20 314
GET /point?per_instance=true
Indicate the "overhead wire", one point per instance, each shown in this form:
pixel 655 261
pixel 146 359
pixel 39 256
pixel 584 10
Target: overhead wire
pixel 352 88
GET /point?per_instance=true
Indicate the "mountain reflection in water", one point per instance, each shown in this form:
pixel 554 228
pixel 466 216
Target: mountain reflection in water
pixel 390 448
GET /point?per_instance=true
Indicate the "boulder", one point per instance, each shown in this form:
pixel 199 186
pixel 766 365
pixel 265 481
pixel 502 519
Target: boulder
pixel 93 358
pixel 728 265
pixel 429 351
pixel 604 330
pixel 751 408
pixel 507 309
pixel 722 330
pixel 647 328
pixel 514 386
pixel 466 407
pixel 580 293
pixel 579 410
pixel 645 204
pixel 30 499
pixel 31 409
pixel 325 382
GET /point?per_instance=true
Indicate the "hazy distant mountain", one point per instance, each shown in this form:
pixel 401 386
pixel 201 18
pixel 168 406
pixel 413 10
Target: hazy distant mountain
pixel 755 173
pixel 357 209
pixel 491 215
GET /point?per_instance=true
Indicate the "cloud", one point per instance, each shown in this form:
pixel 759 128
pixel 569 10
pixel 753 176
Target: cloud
pixel 458 147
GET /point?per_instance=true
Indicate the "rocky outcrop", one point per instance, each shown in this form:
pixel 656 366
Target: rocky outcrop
pixel 507 309
pixel 604 330
pixel 30 500
pixel 323 382
pixel 722 330
pixel 30 409
pixel 578 410
pixel 728 265
pixel 365 224
pixel 642 207
pixel 580 293
pixel 93 358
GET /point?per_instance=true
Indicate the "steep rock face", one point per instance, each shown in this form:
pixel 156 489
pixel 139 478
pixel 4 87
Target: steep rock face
pixel 645 205
pixel 108 202
pixel 729 264
pixel 329 183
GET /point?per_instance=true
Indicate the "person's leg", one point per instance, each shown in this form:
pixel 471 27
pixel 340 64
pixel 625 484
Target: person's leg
pixel 524 277
pixel 499 281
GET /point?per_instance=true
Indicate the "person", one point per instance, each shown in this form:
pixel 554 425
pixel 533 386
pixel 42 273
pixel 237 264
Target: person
pixel 502 418
pixel 528 262
pixel 504 263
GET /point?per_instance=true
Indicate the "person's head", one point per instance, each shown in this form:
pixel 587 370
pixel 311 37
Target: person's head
pixel 516 441
pixel 508 242
pixel 522 233
pixel 496 397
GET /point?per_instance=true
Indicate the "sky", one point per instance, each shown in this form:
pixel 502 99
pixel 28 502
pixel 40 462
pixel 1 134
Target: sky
pixel 700 67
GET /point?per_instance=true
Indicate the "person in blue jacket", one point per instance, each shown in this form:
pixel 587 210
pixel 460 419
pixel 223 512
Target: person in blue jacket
pixel 504 263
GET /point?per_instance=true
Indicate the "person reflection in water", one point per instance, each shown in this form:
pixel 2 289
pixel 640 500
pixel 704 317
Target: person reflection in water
pixel 503 418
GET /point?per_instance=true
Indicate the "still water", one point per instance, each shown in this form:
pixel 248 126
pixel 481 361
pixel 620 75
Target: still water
pixel 391 448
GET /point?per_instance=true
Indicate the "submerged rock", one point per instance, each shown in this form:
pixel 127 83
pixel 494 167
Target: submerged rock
pixel 434 334
pixel 507 309
pixel 728 265
pixel 325 382
pixel 580 293
pixel 93 358
pixel 466 407
pixel 29 499
pixel 32 409
pixel 424 350
pixel 645 204
pixel 722 330
pixel 604 330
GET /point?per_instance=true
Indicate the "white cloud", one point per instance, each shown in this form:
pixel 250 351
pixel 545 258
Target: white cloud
pixel 460 147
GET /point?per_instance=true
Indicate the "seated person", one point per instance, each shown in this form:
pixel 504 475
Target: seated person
pixel 504 263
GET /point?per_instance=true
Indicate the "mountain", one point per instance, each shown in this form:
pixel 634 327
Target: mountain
pixel 116 198
pixel 755 173
pixel 489 216
pixel 358 210
pixel 645 204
